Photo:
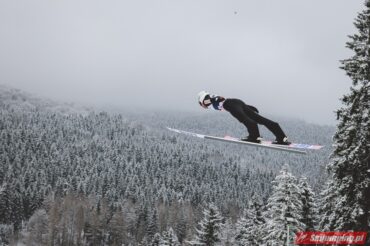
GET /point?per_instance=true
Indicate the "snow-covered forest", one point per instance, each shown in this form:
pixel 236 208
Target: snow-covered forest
pixel 124 178
pixel 71 175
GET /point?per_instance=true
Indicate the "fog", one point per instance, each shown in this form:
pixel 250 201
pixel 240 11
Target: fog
pixel 281 56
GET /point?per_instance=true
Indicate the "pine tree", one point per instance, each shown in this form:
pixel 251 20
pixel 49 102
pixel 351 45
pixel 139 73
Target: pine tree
pixel 17 208
pixel 326 203
pixel 242 230
pixel 117 229
pixel 248 227
pixel 169 238
pixel 181 225
pixel 152 226
pixel 6 204
pixel 284 208
pixel 209 227
pixel 308 204
pixel 350 161
pixel 157 239
pixel 227 233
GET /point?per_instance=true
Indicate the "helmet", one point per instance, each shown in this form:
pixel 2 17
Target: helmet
pixel 201 96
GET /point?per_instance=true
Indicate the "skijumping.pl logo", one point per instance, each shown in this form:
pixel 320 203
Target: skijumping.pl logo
pixel 330 238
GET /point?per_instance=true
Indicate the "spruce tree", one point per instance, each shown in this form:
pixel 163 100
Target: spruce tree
pixel 117 229
pixel 157 239
pixel 181 225
pixel 326 202
pixel 350 162
pixel 6 204
pixel 209 227
pixel 243 226
pixel 284 208
pixel 227 233
pixel 248 227
pixel 169 238
pixel 152 227
pixel 308 205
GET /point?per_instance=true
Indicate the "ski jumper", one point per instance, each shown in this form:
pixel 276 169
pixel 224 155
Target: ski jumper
pixel 247 115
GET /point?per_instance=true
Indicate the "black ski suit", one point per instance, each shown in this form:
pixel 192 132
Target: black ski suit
pixel 248 116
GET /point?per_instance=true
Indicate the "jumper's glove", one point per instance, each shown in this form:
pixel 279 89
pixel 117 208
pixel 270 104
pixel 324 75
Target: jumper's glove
pixel 253 108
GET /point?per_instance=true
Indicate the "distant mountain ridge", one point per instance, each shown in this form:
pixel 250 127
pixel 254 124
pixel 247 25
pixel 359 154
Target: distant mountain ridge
pixel 15 98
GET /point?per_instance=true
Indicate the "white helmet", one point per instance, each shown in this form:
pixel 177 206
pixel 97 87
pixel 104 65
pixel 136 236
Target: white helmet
pixel 201 96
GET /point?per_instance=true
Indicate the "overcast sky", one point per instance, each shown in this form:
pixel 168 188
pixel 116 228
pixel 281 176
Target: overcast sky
pixel 281 56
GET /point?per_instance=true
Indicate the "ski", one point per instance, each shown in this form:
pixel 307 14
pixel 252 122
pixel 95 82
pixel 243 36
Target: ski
pixel 265 144
pixel 292 145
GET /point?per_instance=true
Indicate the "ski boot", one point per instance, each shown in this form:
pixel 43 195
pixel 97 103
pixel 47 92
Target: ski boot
pixel 252 140
pixel 283 141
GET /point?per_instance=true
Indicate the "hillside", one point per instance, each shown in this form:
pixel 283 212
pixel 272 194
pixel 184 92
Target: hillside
pixel 50 151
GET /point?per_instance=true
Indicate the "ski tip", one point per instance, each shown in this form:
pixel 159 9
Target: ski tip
pixel 317 147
